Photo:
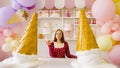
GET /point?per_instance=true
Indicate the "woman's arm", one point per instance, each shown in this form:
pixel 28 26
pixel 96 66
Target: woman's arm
pixel 51 50
pixel 68 51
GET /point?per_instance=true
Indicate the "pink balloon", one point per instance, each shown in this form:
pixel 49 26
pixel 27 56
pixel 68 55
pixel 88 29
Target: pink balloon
pixel 4 55
pixel 7 32
pixel 69 4
pixel 116 18
pixel 109 23
pixel 115 27
pixel 103 10
pixel 105 29
pixel 2 39
pixel 114 55
pixel 27 3
pixel 49 4
pixel 116 35
pixel 89 3
pixel 100 23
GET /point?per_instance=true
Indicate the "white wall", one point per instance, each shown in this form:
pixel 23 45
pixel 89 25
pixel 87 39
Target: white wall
pixel 43 48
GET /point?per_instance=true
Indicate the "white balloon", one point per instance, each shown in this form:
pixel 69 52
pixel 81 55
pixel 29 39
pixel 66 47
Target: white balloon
pixel 6 48
pixel 79 4
pixel 40 4
pixel 59 4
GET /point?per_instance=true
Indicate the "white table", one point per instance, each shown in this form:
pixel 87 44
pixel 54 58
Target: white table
pixel 45 63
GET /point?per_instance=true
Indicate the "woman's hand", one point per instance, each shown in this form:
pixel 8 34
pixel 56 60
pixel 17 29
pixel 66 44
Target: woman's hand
pixel 48 42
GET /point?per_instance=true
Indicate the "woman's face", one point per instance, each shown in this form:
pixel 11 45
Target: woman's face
pixel 58 35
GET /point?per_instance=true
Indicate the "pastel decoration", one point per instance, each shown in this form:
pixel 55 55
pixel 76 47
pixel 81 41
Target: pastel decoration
pixel 5 14
pixel 3 54
pixel 7 32
pixel 108 23
pixel 49 4
pixel 2 39
pixel 59 4
pixel 89 3
pixel 6 48
pixel 14 44
pixel 114 55
pixel 116 35
pixel 69 4
pixel 100 23
pixel 103 10
pixel 27 3
pixel 15 5
pixel 8 40
pixel 115 27
pixel 116 18
pixel 104 43
pixel 40 4
pixel 105 29
pixel 79 4
pixel 1 30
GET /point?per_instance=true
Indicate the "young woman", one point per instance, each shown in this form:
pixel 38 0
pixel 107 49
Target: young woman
pixel 59 48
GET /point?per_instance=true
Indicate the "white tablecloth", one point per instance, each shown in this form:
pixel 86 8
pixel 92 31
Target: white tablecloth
pixel 46 63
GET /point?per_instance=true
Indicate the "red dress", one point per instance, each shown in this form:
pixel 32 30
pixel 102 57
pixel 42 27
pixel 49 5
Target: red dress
pixel 60 52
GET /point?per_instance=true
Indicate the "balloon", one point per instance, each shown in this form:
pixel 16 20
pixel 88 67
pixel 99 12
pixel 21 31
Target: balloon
pixel 103 10
pixel 40 4
pixel 69 4
pixel 6 48
pixel 15 5
pixel 105 29
pixel 7 32
pixel 14 44
pixel 89 3
pixel 79 4
pixel 116 35
pixel 27 3
pixel 2 39
pixel 8 40
pixel 99 22
pixel 59 4
pixel 49 4
pixel 104 43
pixel 31 7
pixel 5 14
pixel 4 55
pixel 116 18
pixel 115 27
pixel 114 55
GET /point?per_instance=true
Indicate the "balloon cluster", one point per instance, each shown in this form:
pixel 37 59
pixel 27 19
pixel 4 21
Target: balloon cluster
pixel 108 20
pixel 10 33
